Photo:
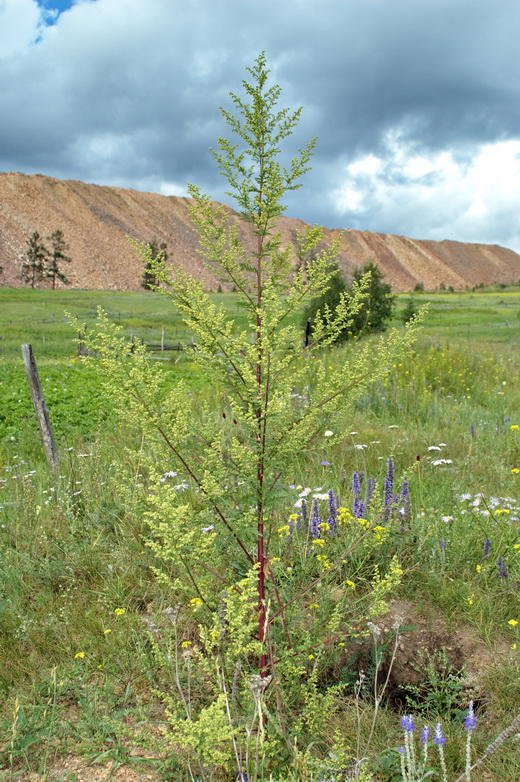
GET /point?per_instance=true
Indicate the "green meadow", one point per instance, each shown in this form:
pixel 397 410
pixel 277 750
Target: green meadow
pixel 88 646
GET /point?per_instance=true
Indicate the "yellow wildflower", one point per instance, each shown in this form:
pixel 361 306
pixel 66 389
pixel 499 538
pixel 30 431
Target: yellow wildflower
pixel 119 611
pixel 185 644
pixel 479 568
pixel 513 622
pixel 79 655
pixel 514 427
pixel 107 631
pixel 515 470
pixel 195 601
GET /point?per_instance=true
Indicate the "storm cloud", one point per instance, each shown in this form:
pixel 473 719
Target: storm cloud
pixel 415 103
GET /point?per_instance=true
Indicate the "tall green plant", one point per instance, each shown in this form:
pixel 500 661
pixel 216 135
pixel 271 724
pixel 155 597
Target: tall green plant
pixel 219 471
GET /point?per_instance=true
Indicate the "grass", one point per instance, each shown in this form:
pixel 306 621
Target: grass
pixel 79 601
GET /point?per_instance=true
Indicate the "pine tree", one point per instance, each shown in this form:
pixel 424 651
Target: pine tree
pixel 379 303
pixel 33 268
pixel 157 252
pixel 56 258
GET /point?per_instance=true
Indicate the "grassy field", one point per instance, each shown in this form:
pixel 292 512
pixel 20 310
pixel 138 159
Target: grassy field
pixel 84 622
pixel 38 316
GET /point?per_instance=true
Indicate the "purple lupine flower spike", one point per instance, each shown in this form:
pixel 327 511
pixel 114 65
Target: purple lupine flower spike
pixel 371 487
pixel 439 737
pixel 407 724
pixel 388 490
pixel 332 520
pixel 470 722
pixel 425 734
pixel 315 521
pixel 405 502
pixel 486 548
pixel 502 569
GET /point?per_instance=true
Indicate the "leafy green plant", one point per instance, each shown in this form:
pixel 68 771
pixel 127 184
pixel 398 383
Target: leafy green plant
pixel 218 483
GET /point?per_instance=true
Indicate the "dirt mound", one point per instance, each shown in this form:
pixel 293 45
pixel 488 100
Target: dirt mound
pixel 97 221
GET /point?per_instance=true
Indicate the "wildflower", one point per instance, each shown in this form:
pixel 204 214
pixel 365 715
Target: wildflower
pixel 328 433
pixel 515 470
pixel 315 519
pixel 332 520
pixel 514 427
pixel 446 519
pixel 502 569
pixel 442 544
pixel 407 724
pixel 370 488
pixel 303 519
pixel 107 631
pixel 470 723
pixel 195 601
pixel 119 611
pixel 433 448
pixel 479 568
pixel 186 644
pixel 389 488
pixel 486 548
pixel 513 622
pixel 425 734
pixel 350 584
pixel 325 464
pixel 439 735
pixel 79 655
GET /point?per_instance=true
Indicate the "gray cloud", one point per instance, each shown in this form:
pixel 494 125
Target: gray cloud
pixel 126 92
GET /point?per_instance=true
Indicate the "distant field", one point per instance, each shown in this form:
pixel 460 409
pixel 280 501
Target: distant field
pixel 38 316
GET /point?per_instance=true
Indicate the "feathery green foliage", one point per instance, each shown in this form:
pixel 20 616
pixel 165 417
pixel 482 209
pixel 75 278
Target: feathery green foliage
pixel 219 540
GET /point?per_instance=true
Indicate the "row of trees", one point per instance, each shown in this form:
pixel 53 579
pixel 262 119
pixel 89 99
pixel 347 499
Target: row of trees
pixel 41 263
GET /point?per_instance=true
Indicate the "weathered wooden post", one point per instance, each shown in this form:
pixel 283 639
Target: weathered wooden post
pixel 40 406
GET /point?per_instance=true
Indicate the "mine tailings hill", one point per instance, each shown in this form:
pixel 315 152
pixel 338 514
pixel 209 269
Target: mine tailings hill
pixel 97 221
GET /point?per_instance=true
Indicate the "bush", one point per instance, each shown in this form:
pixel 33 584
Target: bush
pixel 373 314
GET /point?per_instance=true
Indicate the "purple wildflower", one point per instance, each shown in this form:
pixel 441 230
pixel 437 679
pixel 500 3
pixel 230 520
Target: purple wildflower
pixel 315 520
pixel 325 464
pixel 442 544
pixel 472 432
pixel 486 548
pixel 332 520
pixel 425 734
pixel 405 501
pixel 502 569
pixel 356 484
pixel 371 487
pixel 407 724
pixel 470 722
pixel 439 735
pixel 389 489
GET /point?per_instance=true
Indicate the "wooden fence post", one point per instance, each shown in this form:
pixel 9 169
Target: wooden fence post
pixel 40 406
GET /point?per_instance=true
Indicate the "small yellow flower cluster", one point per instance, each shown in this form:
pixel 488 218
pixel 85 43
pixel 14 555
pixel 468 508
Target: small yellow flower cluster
pixel 324 527
pixel 283 531
pixel 119 611
pixel 515 470
pixel 380 534
pixel 515 427
pixel 195 601
pixel 318 542
pixel 502 511
pixel 344 516
pixel 79 655
pixel 513 622
pixel 324 561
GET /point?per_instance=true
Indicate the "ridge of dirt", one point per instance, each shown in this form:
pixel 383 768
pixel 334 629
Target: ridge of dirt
pixel 96 221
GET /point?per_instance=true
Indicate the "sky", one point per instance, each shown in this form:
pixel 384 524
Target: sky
pixel 415 103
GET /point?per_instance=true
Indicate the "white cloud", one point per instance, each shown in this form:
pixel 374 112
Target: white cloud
pixel 442 195
pixel 20 21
